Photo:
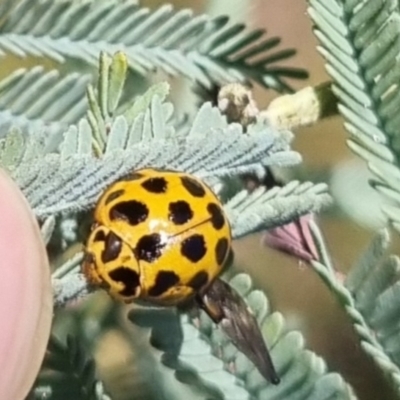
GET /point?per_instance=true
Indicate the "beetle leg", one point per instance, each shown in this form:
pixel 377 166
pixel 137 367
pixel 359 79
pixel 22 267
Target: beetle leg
pixel 227 309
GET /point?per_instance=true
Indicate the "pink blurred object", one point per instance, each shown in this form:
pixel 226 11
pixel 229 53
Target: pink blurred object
pixel 26 304
pixel 294 239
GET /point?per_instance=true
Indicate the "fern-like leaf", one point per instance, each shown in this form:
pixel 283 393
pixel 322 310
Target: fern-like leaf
pixel 360 43
pixel 195 345
pixel 370 298
pixel 264 209
pixel 374 284
pixel 204 49
pixel 68 282
pixel 69 182
pixel 35 100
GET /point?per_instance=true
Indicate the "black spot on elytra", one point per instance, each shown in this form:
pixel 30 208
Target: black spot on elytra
pixel 164 281
pixel 217 216
pixel 194 248
pixel 128 277
pixel 100 236
pixel 180 212
pixel 193 186
pixel 114 195
pixel 132 211
pixel 155 185
pixel 199 280
pixel 220 250
pixel 149 247
pixel 112 248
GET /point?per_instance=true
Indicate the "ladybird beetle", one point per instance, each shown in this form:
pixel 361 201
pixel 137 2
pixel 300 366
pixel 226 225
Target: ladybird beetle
pixel 163 237
pixel 159 236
